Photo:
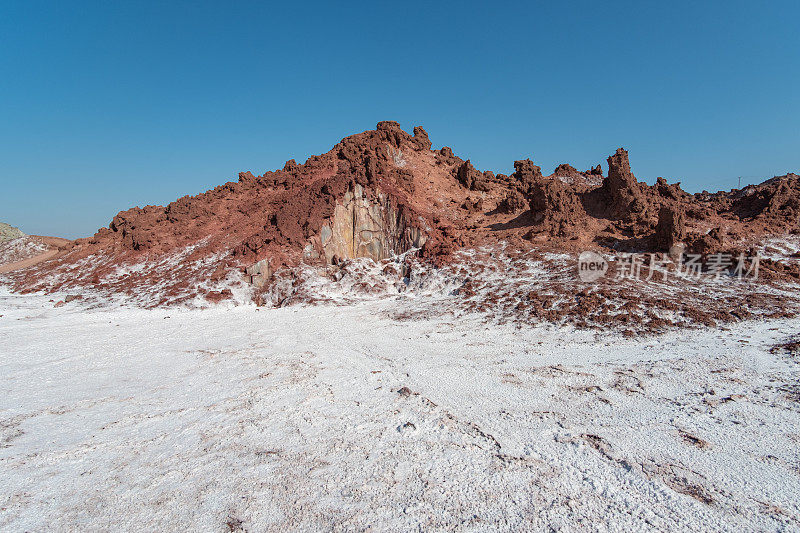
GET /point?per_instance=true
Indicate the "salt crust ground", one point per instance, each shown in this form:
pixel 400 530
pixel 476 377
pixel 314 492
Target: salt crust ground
pixel 341 418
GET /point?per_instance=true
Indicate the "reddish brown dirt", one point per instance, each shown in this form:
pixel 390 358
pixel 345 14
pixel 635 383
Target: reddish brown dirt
pixel 276 215
pixel 29 262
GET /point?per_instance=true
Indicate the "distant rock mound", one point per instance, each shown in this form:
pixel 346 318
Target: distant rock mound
pixel 9 233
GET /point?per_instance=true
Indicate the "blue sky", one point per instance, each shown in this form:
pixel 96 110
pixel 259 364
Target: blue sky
pixel 105 106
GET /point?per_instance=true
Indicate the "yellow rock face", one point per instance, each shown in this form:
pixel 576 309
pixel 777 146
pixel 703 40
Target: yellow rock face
pixel 361 227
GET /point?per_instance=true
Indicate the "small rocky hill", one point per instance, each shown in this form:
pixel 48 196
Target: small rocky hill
pixel 9 233
pixel 381 193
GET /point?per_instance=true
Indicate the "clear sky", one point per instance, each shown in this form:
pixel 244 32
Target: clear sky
pixel 109 105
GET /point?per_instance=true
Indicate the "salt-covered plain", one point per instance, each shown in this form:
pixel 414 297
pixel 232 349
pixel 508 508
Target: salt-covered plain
pixel 348 418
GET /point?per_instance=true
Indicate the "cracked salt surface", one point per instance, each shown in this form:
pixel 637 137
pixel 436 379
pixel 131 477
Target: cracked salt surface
pixel 338 417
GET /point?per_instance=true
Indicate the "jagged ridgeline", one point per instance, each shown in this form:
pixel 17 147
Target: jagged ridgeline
pixel 384 192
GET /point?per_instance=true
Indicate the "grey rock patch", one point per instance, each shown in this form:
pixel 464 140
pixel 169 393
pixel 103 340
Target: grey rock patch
pixel 9 233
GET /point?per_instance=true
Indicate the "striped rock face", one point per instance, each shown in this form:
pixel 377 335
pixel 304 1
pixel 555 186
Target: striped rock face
pixel 367 227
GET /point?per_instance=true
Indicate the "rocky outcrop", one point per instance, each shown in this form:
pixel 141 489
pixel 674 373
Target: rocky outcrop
pixel 595 171
pixel 421 138
pixel 367 227
pixel 445 156
pixel 566 170
pixel 382 192
pixel 570 175
pixel 259 273
pixel 622 192
pixel 706 244
pixel 670 191
pixel 555 208
pixel 671 228
pixel 526 174
pixel 514 202
pixel 777 199
pixel 470 178
pixel 472 205
pixel 9 233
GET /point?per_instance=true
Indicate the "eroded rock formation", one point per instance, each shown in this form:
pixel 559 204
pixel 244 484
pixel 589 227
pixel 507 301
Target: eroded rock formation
pixel 382 192
pixel 556 209
pixel 671 228
pixel 470 178
pixel 621 190
pixel 526 175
